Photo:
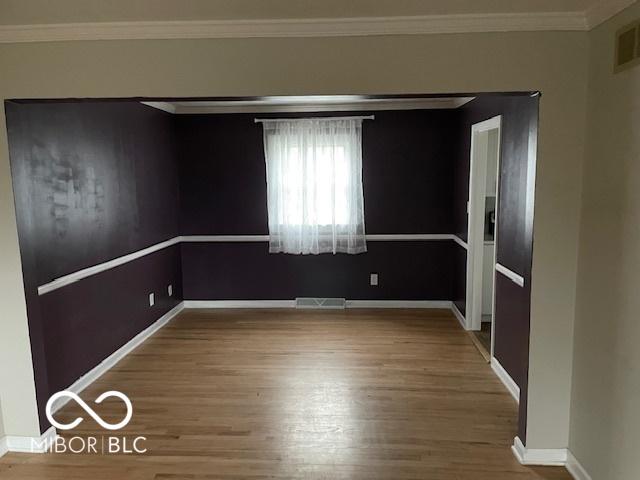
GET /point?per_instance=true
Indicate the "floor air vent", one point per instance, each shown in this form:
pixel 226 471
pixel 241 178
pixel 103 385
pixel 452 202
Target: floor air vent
pixel 335 303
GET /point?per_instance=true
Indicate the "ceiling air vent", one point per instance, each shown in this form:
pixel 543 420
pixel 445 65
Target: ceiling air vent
pixel 627 47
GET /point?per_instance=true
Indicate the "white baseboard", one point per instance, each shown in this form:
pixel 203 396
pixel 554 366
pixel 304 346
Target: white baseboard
pixel 196 304
pixel 556 457
pixel 27 444
pixel 506 379
pixel 574 467
pixel 458 314
pixel 444 304
pixel 109 362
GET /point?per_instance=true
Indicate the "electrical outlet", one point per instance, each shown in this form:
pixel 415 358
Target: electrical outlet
pixel 152 299
pixel 170 290
pixel 373 280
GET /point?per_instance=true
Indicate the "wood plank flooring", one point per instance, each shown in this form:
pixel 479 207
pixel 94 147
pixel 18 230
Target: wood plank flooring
pixel 289 394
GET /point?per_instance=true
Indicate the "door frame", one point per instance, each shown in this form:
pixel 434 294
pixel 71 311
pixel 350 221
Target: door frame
pixel 475 230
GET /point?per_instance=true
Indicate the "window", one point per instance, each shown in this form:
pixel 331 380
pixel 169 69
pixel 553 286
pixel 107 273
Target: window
pixel 314 185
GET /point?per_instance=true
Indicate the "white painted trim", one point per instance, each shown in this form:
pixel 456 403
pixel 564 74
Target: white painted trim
pixel 102 267
pixel 510 274
pixel 28 444
pixel 393 237
pixel 3 446
pixel 224 238
pixel 316 119
pixel 458 314
pixel 556 457
pixel 575 468
pixel 198 304
pixel 460 242
pixel 116 262
pixel 518 449
pixel 490 124
pixel 408 237
pixel 427 304
pixel 296 27
pixel 496 226
pixel 506 379
pixel 476 217
pixel 112 360
pixel 329 103
pixel 603 10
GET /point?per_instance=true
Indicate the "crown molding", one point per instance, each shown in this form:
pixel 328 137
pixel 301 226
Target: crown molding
pixel 320 27
pixel 249 106
pixel 604 10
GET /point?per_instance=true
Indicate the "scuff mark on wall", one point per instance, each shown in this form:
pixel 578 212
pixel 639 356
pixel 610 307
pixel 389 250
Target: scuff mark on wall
pixel 68 186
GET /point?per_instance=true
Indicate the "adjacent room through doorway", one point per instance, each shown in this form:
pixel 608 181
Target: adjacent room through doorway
pixel 483 204
pixel 386 225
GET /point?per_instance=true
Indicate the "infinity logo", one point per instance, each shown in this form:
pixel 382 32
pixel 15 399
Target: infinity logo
pixel 89 410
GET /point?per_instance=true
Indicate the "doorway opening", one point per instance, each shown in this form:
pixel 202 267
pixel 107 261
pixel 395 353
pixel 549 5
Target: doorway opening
pixel 85 204
pixel 482 208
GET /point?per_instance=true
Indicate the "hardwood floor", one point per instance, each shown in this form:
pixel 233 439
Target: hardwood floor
pixel 287 394
pixel 482 340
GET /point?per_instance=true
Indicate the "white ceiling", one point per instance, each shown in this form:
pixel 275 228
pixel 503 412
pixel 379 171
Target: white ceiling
pixel 311 103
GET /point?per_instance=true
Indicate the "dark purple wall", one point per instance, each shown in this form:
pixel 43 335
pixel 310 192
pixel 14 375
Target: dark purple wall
pixel 459 289
pixel 407 177
pixel 518 113
pixel 87 321
pixel 240 271
pixel 92 181
pixel 515 223
pixel 407 172
pixel 97 180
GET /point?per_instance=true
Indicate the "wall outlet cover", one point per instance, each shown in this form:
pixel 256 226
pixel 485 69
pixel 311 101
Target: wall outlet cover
pixel 152 299
pixel 170 290
pixel 373 281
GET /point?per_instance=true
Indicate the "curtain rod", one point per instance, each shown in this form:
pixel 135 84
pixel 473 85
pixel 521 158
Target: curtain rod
pixel 266 120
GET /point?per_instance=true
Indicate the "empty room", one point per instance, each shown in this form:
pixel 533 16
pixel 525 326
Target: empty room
pixel 280 239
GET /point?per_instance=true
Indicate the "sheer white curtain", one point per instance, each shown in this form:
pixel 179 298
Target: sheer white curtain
pixel 314 185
